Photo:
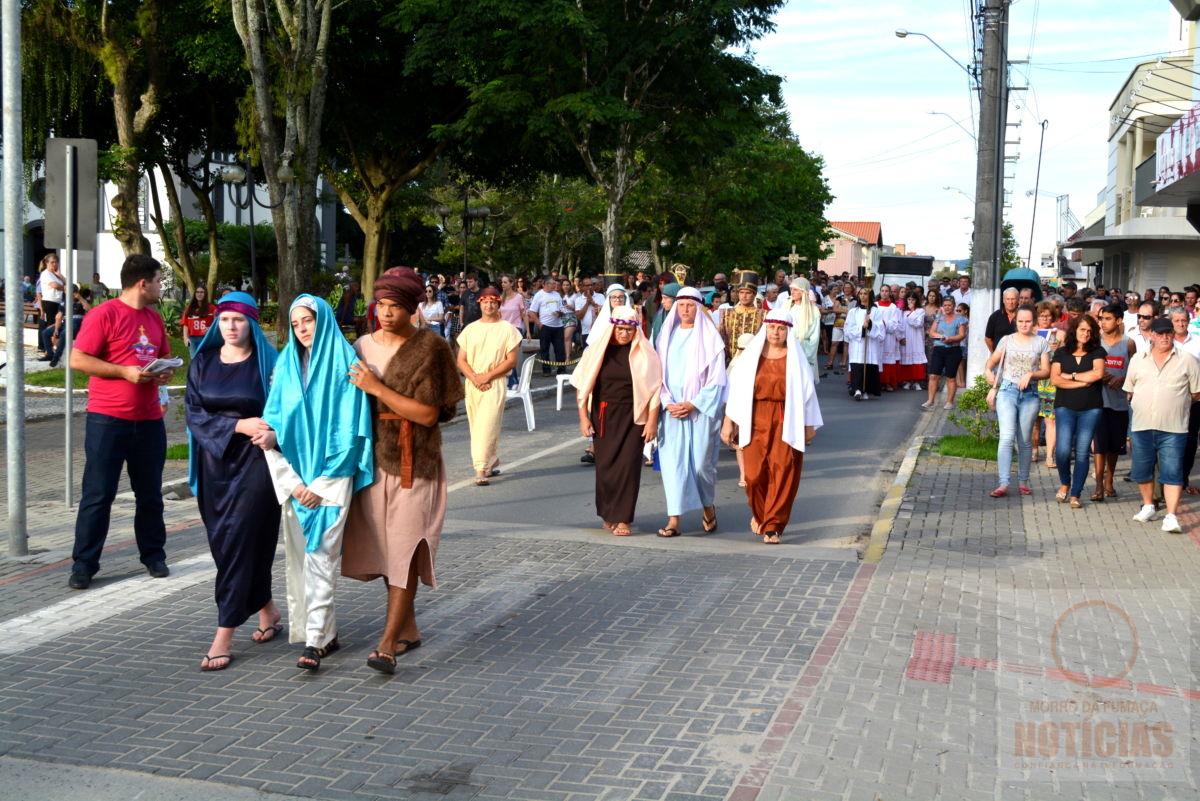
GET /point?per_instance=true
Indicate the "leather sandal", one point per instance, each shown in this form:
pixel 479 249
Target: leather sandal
pixel 314 655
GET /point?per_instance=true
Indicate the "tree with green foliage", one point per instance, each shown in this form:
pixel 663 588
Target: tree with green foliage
pixel 388 98
pixel 757 199
pixel 198 121
pixel 121 40
pixel 626 85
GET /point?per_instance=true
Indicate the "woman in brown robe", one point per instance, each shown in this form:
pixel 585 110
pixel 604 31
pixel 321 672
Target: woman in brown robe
pixel 618 380
pixel 772 414
pixel 395 524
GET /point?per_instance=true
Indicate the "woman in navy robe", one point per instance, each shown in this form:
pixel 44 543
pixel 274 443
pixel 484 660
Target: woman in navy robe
pixel 226 389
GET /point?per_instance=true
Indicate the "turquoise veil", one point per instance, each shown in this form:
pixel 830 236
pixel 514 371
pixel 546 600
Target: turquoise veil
pixel 322 421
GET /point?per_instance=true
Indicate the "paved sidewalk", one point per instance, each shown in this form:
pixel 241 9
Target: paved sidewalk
pixel 946 654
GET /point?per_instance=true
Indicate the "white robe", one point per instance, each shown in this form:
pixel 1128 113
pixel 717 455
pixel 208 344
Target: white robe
pixel 895 330
pixel 865 349
pixel 311 577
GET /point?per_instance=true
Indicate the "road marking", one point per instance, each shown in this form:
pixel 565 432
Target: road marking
pixel 533 457
pixel 934 656
pixel 94 606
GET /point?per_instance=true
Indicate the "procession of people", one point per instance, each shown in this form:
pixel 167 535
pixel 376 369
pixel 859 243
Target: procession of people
pixel 335 448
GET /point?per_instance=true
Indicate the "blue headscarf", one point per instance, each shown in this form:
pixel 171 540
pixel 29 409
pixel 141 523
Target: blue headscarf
pixel 322 421
pixel 264 352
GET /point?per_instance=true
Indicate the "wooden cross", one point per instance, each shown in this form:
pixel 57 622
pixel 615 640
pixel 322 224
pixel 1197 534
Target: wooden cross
pixel 793 258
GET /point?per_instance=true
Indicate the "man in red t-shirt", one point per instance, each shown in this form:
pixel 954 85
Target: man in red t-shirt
pixel 124 421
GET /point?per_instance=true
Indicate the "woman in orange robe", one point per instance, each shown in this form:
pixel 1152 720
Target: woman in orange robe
pixel 772 414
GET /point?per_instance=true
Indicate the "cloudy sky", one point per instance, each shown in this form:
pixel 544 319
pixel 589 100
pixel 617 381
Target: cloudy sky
pixel 861 98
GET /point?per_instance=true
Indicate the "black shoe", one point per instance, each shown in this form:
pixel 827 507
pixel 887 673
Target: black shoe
pixel 158 569
pixel 54 362
pixel 79 580
pixel 588 457
pixel 43 358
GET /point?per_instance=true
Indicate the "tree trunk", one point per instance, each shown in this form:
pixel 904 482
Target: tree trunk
pixel 178 258
pixel 301 42
pixel 126 223
pixel 610 233
pixel 375 247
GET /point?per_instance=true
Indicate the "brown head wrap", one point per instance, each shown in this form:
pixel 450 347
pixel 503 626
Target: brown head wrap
pixel 490 292
pixel 402 285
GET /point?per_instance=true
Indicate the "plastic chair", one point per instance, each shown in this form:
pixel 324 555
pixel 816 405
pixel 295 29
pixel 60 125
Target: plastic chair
pixel 560 379
pixel 523 391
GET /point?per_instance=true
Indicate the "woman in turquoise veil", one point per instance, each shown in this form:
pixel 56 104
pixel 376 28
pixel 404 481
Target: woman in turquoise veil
pixel 322 425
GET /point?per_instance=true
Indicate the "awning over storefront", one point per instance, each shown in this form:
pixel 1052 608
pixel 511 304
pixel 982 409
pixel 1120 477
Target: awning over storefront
pixel 1119 241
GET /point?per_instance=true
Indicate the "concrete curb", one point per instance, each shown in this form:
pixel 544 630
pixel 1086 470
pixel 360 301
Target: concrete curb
pixel 889 507
pixel 31 389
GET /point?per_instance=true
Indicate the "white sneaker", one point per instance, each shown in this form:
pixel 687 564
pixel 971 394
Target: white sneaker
pixel 927 405
pixel 858 394
pixel 1171 525
pixel 948 406
pixel 1146 514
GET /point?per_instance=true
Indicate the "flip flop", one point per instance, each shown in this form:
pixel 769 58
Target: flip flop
pixel 482 482
pixel 382 661
pixel 409 645
pixel 668 532
pixel 267 634
pixel 622 532
pixel 771 538
pixel 206 663
pixel 493 472
pixel 710 523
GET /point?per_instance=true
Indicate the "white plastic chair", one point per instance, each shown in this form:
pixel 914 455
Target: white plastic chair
pixel 560 379
pixel 523 392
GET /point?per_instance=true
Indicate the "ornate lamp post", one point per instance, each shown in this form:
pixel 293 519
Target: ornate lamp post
pixel 237 178
pixel 467 218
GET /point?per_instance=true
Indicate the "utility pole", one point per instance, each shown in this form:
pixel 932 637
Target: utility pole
pixel 989 179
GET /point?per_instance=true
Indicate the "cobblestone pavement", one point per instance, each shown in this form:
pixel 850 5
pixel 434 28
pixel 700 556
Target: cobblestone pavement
pixel 558 664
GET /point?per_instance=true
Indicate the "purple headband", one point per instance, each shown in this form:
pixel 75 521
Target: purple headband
pixel 615 321
pixel 239 307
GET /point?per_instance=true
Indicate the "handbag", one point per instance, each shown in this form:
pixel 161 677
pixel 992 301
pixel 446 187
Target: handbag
pixel 991 396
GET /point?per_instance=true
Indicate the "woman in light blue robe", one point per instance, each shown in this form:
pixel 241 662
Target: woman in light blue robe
pixel 693 358
pixel 323 426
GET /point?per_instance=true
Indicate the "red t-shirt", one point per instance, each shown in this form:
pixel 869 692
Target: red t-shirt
pixel 197 326
pixel 121 334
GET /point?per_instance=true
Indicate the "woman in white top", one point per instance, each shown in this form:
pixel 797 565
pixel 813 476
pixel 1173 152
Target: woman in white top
pixel 1020 360
pixel 432 313
pixel 912 349
pixel 50 286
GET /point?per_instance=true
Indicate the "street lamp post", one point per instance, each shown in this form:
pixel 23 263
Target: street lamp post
pixel 992 84
pixel 469 215
pixel 237 178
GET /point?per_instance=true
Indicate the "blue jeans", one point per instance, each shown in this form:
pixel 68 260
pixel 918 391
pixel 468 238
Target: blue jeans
pixel 1015 409
pixel 110 443
pixel 1074 431
pixel 1165 448
pixel 56 351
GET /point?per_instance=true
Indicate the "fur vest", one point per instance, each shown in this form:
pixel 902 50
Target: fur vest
pixel 424 370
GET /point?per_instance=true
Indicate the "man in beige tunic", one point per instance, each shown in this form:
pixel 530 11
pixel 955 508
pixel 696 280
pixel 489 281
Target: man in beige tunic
pixel 487 352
